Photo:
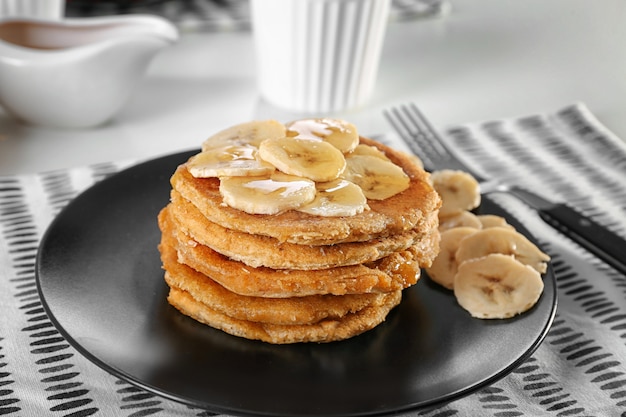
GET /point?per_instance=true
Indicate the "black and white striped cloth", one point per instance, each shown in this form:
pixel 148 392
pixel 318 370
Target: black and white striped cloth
pixel 579 370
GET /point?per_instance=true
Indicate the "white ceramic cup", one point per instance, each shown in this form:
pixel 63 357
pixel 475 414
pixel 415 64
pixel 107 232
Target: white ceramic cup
pixel 318 56
pixel 40 9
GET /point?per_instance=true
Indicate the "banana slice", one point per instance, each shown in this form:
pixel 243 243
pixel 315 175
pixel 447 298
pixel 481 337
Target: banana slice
pixel 444 267
pixel 268 194
pixel 339 133
pixel 336 198
pixel 504 241
pixel 458 190
pixel 461 219
pixel 491 220
pixel 250 133
pixel 379 179
pixel 228 161
pixel 318 161
pixel 369 150
pixel 416 160
pixel 496 286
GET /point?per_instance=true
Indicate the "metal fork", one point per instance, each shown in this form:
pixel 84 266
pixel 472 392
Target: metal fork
pixel 409 122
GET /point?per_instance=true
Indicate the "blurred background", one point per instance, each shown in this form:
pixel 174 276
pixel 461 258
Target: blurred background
pixel 213 15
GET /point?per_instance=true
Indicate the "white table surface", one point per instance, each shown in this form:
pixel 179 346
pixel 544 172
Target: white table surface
pixel 484 60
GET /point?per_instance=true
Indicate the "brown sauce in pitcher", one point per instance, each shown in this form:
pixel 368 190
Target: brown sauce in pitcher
pixel 42 36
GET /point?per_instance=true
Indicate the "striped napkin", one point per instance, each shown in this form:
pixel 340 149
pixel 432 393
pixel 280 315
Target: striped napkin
pixel 579 370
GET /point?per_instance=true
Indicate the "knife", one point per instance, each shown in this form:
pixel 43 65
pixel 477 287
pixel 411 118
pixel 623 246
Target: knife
pixel 589 234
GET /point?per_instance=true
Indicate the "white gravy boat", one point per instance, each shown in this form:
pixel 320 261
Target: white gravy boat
pixel 76 73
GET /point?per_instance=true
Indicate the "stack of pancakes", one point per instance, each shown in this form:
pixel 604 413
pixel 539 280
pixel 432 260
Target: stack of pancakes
pixel 295 277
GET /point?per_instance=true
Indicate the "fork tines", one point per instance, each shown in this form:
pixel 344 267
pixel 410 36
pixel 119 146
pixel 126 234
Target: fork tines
pixel 409 122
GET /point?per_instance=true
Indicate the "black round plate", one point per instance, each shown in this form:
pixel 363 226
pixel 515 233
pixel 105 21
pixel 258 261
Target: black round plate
pixel 100 278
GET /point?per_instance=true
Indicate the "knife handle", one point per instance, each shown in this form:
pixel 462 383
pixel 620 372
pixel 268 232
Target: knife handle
pixel 594 237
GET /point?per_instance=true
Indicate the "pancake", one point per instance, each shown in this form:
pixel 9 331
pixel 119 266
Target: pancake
pixel 294 277
pixel 398 214
pixel 394 272
pixel 295 310
pixel 257 251
pixel 327 330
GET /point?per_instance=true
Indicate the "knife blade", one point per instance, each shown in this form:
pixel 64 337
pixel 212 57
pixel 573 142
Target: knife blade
pixel 589 234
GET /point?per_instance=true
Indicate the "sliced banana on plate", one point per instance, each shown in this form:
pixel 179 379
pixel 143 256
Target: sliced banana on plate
pixel 504 241
pixel 496 286
pixel 228 161
pixel 268 194
pixel 336 198
pixel 492 220
pixel 339 133
pixel 379 179
pixel 249 133
pixel 445 265
pixel 317 161
pixel 461 219
pixel 458 190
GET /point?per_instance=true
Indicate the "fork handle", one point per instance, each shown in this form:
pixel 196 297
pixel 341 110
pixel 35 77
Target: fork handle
pixel 594 237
